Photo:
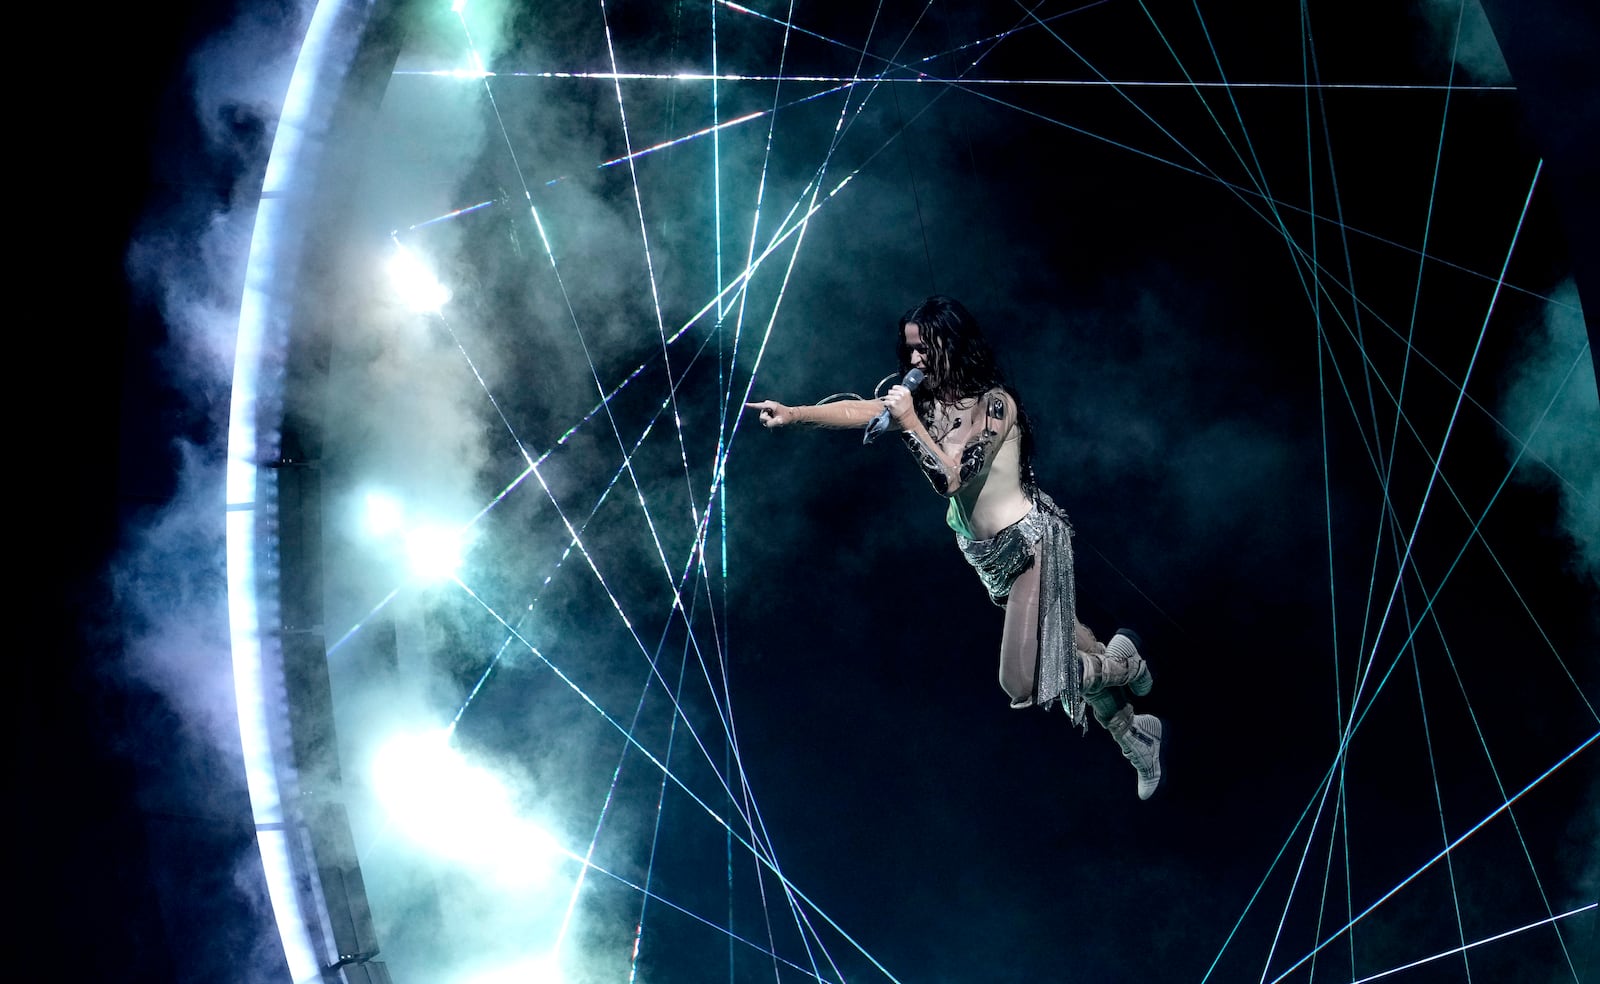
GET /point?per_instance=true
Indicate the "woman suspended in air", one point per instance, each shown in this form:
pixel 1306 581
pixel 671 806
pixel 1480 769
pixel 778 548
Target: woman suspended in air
pixel 967 430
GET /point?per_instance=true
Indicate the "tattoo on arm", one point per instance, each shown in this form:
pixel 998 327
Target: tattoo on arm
pixel 975 456
pixel 930 464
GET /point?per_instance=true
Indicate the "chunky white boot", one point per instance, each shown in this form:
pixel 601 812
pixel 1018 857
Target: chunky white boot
pixel 1119 666
pixel 1139 737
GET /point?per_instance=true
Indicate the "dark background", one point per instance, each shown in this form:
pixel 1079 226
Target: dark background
pixel 122 863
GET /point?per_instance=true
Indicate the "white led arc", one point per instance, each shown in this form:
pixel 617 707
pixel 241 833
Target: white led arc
pixel 324 55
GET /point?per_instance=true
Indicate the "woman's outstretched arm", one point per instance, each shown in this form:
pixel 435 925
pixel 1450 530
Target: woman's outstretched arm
pixel 839 413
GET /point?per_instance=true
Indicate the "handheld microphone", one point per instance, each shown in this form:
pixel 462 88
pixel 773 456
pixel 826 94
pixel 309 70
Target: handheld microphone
pixel 880 423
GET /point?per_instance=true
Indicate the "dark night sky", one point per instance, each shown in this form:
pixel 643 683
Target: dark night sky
pixel 1166 351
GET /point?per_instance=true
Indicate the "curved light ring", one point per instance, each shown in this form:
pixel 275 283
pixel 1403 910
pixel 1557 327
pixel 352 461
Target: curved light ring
pixel 325 54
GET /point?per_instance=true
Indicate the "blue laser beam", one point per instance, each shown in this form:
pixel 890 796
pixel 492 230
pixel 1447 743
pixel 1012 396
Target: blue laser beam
pixel 447 216
pixel 1448 848
pixel 924 78
pixel 1477 943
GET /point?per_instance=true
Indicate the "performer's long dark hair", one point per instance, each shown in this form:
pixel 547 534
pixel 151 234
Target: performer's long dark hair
pixel 960 363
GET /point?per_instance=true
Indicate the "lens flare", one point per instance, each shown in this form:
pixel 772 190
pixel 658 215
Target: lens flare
pixel 460 810
pixel 434 551
pixel 416 284
pixel 383 514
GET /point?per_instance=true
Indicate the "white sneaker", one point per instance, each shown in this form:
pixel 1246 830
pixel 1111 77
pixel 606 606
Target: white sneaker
pixel 1139 737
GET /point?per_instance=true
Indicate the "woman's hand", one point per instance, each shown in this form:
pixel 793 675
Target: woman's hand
pixel 773 413
pixel 898 402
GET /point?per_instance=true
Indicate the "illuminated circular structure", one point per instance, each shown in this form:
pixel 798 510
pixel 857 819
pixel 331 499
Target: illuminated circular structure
pixel 518 268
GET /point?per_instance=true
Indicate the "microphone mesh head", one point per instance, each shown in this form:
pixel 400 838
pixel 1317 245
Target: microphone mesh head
pixel 913 379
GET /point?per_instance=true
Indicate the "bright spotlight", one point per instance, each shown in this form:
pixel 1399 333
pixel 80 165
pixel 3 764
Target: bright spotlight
pixel 477 71
pixel 383 515
pixel 460 811
pixel 434 551
pixel 458 6
pixel 419 289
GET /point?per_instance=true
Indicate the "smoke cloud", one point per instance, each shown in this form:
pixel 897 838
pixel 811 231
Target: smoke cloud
pixel 169 589
pixel 1477 53
pixel 1552 409
pixel 1550 403
pixel 167 580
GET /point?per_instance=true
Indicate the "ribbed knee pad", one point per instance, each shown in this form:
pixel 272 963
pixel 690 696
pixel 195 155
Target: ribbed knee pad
pixel 1119 666
pixel 1123 649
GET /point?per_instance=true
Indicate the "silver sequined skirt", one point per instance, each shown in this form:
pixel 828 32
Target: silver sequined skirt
pixel 1043 535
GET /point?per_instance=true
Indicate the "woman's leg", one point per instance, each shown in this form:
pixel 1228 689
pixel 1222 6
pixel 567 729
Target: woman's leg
pixel 1107 677
pixel 1139 736
pixel 1019 642
pixel 1085 640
